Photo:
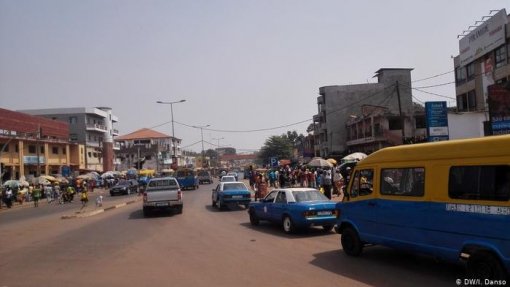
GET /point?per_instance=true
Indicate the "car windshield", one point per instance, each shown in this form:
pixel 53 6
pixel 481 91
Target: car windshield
pixel 228 178
pixel 203 173
pixel 308 195
pixel 235 186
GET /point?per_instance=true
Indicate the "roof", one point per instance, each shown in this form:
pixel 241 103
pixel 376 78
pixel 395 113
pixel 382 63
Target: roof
pixel 144 133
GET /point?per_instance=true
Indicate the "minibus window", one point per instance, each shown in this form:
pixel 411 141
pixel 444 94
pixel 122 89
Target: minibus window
pixel 403 181
pixel 480 182
pixel 362 183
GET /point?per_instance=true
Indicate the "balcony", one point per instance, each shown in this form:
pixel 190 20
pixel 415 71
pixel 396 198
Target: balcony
pixel 115 132
pixel 116 146
pixel 96 127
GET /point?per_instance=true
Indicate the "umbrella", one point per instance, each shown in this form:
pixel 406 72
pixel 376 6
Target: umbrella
pixel 319 162
pixel 354 156
pixel 12 183
pixel 332 161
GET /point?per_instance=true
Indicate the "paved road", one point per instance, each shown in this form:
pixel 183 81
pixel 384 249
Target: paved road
pixel 201 247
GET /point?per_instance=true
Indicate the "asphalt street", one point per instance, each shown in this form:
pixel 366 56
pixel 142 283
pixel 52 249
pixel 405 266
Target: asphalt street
pixel 201 247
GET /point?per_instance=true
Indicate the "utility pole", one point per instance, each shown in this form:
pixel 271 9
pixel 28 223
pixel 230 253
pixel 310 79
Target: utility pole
pixel 400 112
pixel 38 150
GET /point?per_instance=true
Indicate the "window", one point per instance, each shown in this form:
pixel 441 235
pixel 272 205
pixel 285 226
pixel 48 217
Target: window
pixel 467 102
pixel 73 120
pixel 480 182
pixel 460 75
pixel 64 150
pixel 16 148
pixel 73 137
pixel 470 71
pixel 281 198
pixel 500 56
pixel 31 149
pixel 89 154
pixel 5 148
pixel 420 122
pixel 54 150
pixel 41 148
pixel 271 196
pixel 362 183
pixel 403 181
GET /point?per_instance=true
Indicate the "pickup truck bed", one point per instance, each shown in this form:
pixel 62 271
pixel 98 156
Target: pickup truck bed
pixel 162 194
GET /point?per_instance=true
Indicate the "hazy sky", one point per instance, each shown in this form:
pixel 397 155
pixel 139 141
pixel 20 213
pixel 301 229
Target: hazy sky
pixel 240 65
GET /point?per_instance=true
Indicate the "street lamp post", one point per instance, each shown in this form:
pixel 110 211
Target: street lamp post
pixel 174 155
pixel 202 134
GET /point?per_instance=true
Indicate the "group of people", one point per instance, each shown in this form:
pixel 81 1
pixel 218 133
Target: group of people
pixel 327 179
pixel 58 192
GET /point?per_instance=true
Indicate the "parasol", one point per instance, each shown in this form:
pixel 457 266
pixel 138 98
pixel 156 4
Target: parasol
pixel 332 161
pixel 319 162
pixel 354 156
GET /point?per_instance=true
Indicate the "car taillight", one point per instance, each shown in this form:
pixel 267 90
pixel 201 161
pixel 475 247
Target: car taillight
pixel 145 196
pixel 337 213
pixel 179 195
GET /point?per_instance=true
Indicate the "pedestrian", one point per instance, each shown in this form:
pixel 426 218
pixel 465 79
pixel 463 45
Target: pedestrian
pixel 84 197
pixel 99 201
pixel 36 194
pixel 327 182
pixel 8 197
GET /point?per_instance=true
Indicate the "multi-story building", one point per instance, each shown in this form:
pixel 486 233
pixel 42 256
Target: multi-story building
pixel 339 105
pixel 146 148
pixel 91 127
pixel 32 146
pixel 482 72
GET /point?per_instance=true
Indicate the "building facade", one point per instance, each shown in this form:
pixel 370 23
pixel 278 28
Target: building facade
pixel 146 148
pixel 339 105
pixel 91 127
pixel 33 146
pixel 482 72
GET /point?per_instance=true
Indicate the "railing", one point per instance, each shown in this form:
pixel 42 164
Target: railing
pixel 96 127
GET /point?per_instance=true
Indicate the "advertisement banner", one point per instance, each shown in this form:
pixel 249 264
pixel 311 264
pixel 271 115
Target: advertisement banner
pixel 437 121
pixel 486 37
pixel 32 159
pixel 499 109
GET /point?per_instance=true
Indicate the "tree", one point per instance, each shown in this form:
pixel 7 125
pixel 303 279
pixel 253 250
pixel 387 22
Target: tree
pixel 276 146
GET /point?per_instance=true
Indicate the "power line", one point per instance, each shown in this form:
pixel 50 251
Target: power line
pixel 438 85
pixel 432 77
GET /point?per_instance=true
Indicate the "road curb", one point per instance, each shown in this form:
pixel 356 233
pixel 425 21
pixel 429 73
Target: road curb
pixel 98 211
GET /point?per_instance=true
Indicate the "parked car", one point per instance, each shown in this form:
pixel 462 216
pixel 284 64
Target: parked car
pixel 228 178
pixel 204 176
pixel 126 187
pixel 230 193
pixel 163 193
pixel 294 208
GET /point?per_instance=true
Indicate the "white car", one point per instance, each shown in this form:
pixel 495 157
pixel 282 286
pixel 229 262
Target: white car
pixel 228 178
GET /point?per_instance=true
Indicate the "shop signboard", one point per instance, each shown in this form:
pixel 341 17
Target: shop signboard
pixel 437 121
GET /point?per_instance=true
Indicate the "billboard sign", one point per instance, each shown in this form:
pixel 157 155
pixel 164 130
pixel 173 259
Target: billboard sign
pixel 437 121
pixel 486 37
pixel 32 159
pixel 499 109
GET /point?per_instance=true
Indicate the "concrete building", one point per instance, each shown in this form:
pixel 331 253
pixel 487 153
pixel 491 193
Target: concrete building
pixel 152 149
pixel 337 105
pixel 482 72
pixel 33 146
pixel 91 127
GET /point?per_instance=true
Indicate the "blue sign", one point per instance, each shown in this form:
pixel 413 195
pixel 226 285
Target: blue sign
pixel 66 171
pixel 437 121
pixel 274 162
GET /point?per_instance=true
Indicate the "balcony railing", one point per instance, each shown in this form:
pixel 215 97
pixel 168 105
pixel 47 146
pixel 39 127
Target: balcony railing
pixel 96 127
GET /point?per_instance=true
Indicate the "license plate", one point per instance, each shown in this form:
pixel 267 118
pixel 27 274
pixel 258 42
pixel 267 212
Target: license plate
pixel 161 203
pixel 322 213
pixel 237 196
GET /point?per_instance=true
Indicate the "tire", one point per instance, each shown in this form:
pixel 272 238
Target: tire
pixel 145 212
pixel 254 220
pixel 288 225
pixel 485 265
pixel 213 203
pixel 220 205
pixel 351 244
pixel 179 210
pixel 327 228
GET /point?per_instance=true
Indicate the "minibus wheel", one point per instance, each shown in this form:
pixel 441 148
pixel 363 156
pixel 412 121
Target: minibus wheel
pixel 351 244
pixel 485 265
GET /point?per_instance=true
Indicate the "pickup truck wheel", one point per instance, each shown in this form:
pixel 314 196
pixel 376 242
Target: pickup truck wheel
pixel 485 265
pixel 254 220
pixel 351 244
